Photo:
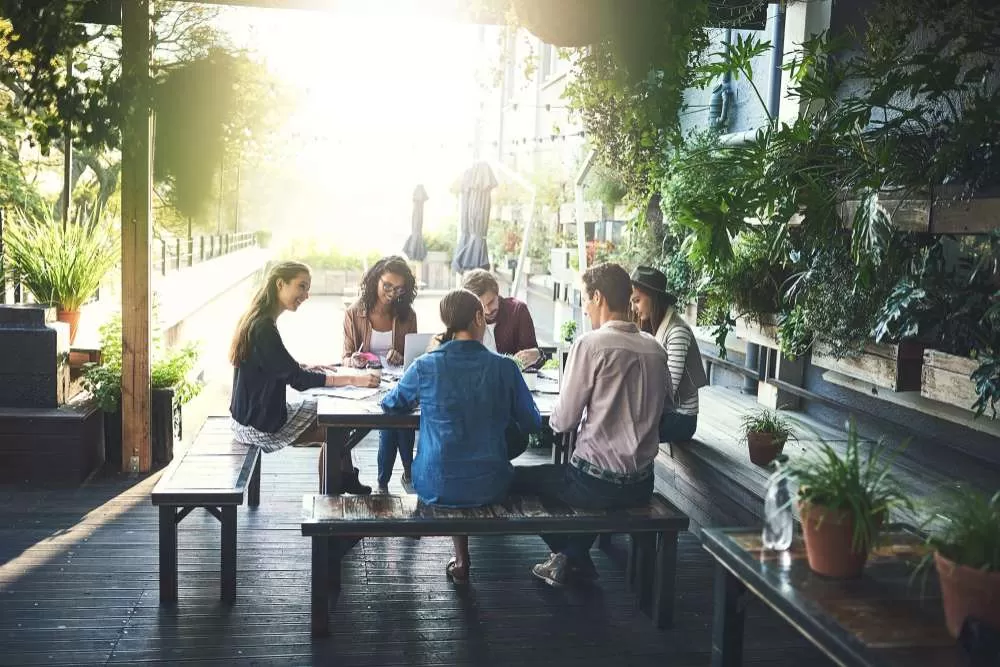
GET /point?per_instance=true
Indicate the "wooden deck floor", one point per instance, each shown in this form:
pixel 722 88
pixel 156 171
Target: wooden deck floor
pixel 78 585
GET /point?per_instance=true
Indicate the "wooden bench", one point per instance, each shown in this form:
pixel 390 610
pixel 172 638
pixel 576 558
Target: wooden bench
pixel 215 473
pixel 336 523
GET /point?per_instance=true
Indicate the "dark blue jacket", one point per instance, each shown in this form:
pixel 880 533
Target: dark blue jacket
pixel 259 382
pixel 468 396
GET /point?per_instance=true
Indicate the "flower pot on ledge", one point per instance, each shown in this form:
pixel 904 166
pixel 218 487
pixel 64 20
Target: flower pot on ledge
pixel 764 447
pixel 967 592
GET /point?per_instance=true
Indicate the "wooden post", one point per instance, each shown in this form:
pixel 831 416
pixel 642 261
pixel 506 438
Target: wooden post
pixel 137 214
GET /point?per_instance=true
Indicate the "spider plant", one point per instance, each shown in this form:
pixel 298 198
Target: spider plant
pixel 859 485
pixel 965 529
pixel 767 421
pixel 60 265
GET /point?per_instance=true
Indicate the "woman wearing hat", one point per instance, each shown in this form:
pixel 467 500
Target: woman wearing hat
pixel 654 308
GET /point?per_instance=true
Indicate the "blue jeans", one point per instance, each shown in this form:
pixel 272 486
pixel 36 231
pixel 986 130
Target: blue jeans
pixel 574 487
pixel 389 442
pixel 675 427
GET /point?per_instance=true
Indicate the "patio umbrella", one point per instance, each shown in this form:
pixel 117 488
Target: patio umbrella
pixel 414 247
pixel 477 183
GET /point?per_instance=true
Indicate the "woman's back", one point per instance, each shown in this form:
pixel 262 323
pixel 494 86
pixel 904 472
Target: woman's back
pixel 468 396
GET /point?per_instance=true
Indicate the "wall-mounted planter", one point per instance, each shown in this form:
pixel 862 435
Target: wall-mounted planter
pixel 894 367
pixel 941 212
pixel 945 378
pixel 765 333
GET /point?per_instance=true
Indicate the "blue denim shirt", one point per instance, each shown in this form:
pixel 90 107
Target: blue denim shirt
pixel 467 396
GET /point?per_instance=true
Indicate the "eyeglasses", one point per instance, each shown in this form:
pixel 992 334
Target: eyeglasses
pixel 389 288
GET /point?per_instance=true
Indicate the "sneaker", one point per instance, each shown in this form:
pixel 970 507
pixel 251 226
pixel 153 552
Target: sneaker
pixel 383 489
pixel 554 571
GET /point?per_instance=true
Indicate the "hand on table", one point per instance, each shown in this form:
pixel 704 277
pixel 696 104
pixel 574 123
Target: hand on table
pixel 528 357
pixel 394 358
pixel 371 379
pixel 357 360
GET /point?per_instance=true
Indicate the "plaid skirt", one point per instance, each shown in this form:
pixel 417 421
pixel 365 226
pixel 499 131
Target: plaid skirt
pixel 301 415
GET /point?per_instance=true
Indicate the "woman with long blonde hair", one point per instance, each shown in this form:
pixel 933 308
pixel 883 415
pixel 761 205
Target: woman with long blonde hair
pixel 262 414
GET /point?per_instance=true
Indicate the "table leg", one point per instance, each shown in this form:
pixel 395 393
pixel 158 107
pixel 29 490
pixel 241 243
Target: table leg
pixel 168 554
pixel 228 554
pixel 727 619
pixel 645 544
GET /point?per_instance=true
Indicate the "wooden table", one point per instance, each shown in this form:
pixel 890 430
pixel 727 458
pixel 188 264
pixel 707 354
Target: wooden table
pixel 887 618
pixel 347 421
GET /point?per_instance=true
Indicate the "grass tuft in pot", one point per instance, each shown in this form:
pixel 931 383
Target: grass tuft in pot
pixel 965 535
pixel 766 433
pixel 844 499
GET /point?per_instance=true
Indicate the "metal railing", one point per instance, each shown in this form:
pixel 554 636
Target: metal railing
pixel 177 253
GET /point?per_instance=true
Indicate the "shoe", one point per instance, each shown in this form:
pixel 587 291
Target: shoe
pixel 407 476
pixel 351 484
pixel 382 489
pixel 456 575
pixel 554 571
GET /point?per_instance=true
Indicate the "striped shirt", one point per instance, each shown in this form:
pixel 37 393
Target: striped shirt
pixel 676 342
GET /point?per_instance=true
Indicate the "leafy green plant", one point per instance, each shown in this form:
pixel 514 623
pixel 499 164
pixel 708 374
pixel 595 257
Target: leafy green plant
pixel 170 369
pixel 767 421
pixel 858 484
pixel 567 331
pixel 965 528
pixel 60 265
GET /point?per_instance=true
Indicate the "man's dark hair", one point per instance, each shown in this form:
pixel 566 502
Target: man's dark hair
pixel 613 282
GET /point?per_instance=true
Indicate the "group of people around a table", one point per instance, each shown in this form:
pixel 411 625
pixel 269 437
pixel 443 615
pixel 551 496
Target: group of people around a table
pixel 627 385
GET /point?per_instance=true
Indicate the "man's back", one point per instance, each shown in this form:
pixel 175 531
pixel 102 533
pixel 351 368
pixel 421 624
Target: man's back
pixel 615 387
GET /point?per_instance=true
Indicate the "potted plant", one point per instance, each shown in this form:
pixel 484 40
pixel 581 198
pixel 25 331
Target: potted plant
pixel 567 331
pixel 171 387
pixel 965 536
pixel 843 501
pixel 61 265
pixel 766 433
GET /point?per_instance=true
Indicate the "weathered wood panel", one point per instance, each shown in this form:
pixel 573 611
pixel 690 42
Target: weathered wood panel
pixel 894 367
pixel 945 378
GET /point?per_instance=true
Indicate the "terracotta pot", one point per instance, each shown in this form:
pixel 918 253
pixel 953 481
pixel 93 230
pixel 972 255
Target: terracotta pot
pixel 72 318
pixel 764 447
pixel 967 592
pixel 829 538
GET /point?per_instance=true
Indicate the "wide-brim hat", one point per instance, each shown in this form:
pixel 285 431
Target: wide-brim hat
pixel 652 280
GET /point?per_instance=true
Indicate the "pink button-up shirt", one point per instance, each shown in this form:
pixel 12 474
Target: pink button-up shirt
pixel 614 390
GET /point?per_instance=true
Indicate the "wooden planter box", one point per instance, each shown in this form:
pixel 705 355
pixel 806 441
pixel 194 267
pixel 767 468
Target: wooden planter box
pixel 47 447
pixel 163 424
pixel 894 367
pixel 760 334
pixel 945 378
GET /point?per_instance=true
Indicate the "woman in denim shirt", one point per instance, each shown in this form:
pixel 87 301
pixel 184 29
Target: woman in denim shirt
pixel 468 397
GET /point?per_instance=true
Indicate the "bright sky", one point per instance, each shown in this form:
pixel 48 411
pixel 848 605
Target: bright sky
pixel 386 103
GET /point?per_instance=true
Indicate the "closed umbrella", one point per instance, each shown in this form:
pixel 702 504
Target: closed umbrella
pixel 477 184
pixel 414 247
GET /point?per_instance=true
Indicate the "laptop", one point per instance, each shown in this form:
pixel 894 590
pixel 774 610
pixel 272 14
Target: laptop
pixel 415 345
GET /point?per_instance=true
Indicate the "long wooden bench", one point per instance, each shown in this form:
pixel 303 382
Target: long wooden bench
pixel 336 523
pixel 215 473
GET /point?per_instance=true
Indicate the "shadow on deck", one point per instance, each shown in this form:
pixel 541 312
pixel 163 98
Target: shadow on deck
pixel 78 585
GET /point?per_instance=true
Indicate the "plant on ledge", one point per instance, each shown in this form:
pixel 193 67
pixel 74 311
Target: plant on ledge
pixel 61 265
pixel 766 433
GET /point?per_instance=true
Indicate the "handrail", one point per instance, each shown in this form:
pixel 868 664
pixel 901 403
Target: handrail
pixel 711 360
pixel 179 253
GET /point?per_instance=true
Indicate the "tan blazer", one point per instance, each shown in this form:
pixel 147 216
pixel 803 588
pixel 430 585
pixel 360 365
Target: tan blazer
pixel 358 330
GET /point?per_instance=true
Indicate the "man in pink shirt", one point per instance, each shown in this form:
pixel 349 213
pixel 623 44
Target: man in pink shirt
pixel 613 394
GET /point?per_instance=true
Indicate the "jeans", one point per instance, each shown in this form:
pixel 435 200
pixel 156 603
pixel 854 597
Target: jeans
pixel 389 441
pixel 570 485
pixel 675 427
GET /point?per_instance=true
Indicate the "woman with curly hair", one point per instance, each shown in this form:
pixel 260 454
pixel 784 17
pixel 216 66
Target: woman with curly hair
pixel 377 325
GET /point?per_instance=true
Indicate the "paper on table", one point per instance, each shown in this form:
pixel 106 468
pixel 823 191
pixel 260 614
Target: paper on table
pixel 357 393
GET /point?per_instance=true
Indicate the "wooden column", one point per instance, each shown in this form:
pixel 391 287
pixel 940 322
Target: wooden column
pixel 137 215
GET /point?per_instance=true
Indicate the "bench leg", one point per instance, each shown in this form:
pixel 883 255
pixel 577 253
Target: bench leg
pixel 664 579
pixel 229 553
pixel 168 554
pixel 604 541
pixel 253 493
pixel 645 558
pixel 320 586
pixel 727 619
